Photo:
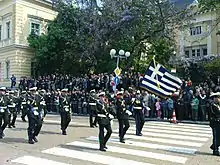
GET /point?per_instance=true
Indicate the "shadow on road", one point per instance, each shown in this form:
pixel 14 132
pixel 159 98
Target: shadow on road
pixel 71 125
pixel 79 148
pixel 41 132
pixel 204 153
pixel 13 140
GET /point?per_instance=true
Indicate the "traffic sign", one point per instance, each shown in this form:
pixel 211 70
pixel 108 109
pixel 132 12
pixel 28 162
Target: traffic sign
pixel 117 71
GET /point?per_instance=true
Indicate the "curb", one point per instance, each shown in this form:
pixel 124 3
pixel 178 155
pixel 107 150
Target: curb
pixel 147 119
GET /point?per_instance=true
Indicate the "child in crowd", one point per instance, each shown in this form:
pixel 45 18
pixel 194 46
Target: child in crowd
pixel 158 108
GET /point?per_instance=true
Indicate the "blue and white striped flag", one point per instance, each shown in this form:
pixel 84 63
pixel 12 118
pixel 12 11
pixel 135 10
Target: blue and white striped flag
pixel 160 81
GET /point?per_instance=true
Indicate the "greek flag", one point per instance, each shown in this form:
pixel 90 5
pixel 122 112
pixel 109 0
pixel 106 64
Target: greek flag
pixel 159 80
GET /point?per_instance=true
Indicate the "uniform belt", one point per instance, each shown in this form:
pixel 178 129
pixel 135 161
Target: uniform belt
pixel 23 103
pixel 66 106
pixel 42 103
pixel 101 115
pixel 11 106
pixel 92 103
pixel 2 109
pixel 35 108
pixel 137 107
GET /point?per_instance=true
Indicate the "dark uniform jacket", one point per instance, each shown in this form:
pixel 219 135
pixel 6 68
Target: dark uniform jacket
pixel 121 109
pixel 214 114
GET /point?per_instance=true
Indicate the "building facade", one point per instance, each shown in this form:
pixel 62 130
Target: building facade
pixel 198 37
pixel 19 18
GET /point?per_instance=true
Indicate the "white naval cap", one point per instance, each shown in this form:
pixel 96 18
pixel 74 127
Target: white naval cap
pixel 3 88
pixel 101 94
pixel 215 94
pixel 42 90
pixel 33 89
pixel 64 90
pixel 23 92
pixel 11 92
pixel 92 91
pixel 120 93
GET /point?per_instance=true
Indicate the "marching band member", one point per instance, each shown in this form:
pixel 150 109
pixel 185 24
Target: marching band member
pixel 104 121
pixel 34 115
pixel 12 109
pixel 24 106
pixel 3 112
pixel 42 105
pixel 92 109
pixel 65 110
pixel 122 115
pixel 215 122
pixel 138 113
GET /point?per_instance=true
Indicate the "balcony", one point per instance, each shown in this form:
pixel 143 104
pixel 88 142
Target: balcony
pixel 5 42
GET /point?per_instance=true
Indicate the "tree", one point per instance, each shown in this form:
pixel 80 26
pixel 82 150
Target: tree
pixel 212 67
pixel 209 4
pixel 84 32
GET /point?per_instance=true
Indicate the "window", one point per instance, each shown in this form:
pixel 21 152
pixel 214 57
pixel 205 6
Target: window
pixel 35 28
pixel 8 29
pixel 187 54
pixel 193 53
pixel 0 32
pixel 198 52
pixel 7 63
pixel 195 30
pixel 204 50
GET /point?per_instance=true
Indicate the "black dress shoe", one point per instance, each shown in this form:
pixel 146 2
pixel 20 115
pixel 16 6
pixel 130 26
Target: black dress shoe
pixel 35 139
pixel 212 147
pixel 216 153
pixel 64 133
pixel 122 140
pixel 9 126
pixel 139 134
pixel 13 126
pixel 102 149
pixel 105 147
pixel 23 119
pixel 31 141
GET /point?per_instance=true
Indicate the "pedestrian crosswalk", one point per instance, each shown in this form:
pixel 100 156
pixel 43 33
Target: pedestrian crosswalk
pixel 161 143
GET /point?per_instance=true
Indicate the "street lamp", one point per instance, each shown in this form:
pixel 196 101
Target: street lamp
pixel 121 54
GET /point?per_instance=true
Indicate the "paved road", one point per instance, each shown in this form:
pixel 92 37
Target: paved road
pixel 161 144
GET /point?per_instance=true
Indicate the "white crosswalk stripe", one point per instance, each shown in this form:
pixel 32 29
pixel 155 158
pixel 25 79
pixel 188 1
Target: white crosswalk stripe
pixel 175 132
pixel 161 143
pixel 167 127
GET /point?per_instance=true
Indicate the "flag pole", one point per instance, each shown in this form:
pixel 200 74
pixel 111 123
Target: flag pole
pixel 158 84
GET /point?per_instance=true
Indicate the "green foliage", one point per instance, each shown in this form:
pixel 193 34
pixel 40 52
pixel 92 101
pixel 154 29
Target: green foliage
pixel 80 38
pixel 209 4
pixel 213 66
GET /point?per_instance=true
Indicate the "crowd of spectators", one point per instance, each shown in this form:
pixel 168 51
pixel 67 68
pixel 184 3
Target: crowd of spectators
pixel 191 103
